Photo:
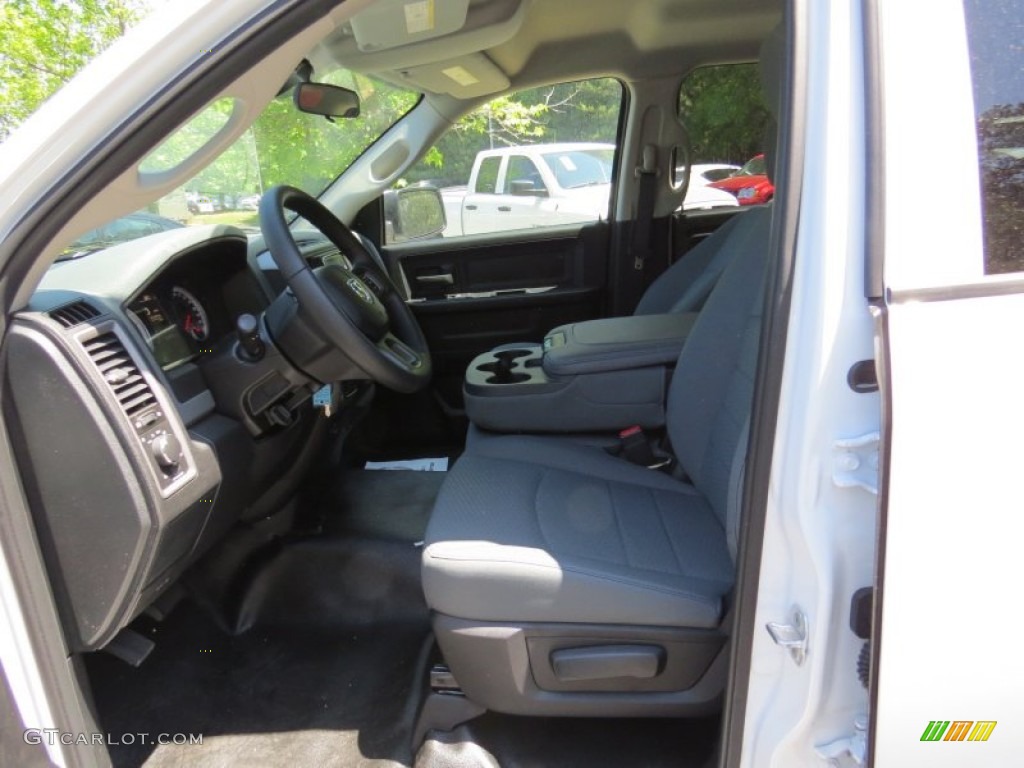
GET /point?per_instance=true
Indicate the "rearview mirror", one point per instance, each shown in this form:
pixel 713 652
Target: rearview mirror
pixel 326 100
pixel 413 213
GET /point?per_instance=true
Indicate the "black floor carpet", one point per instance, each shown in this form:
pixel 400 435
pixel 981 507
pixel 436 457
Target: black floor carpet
pixel 393 504
pixel 326 671
pixel 527 742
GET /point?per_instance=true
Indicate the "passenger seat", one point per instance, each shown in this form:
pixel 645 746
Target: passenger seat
pixel 564 580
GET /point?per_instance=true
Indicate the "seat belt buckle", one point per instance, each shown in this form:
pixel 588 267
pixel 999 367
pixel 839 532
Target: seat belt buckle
pixel 635 447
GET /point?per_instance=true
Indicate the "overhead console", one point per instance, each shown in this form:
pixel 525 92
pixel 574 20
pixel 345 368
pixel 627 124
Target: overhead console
pixel 591 376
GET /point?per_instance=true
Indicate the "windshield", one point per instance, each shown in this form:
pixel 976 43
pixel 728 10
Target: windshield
pixel 581 168
pixel 283 146
pixel 754 167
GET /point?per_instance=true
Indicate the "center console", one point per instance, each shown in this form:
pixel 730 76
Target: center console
pixel 597 375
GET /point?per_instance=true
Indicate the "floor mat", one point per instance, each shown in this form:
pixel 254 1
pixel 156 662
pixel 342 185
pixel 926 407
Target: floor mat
pixel 394 504
pixel 327 672
pixel 520 742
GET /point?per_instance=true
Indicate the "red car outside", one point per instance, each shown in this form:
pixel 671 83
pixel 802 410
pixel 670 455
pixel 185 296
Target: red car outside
pixel 750 183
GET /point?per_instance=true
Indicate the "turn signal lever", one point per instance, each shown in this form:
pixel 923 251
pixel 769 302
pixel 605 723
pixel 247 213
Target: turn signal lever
pixel 250 345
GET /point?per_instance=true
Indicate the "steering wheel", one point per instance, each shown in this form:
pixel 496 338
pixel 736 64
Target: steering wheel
pixel 358 310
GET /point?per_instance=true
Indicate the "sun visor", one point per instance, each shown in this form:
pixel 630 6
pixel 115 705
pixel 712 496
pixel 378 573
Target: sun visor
pixel 464 78
pixel 391 23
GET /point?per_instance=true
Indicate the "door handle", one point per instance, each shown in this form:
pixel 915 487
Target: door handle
pixel 505 208
pixel 446 278
pixel 470 207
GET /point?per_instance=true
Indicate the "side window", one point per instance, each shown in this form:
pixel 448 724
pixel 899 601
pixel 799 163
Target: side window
pixel 556 142
pixel 726 121
pixel 997 71
pixel 522 177
pixel 487 176
pixel 583 167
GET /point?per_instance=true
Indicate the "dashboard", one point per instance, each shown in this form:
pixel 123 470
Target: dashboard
pixel 139 418
pixel 171 336
pixel 183 312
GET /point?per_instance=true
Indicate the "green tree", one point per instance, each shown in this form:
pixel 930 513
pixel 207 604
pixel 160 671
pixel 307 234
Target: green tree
pixel 587 110
pixel 724 113
pixel 44 43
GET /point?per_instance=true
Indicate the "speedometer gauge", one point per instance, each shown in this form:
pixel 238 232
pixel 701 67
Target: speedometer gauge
pixel 191 315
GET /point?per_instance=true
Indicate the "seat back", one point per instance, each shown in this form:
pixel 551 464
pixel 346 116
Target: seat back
pixel 711 393
pixel 685 285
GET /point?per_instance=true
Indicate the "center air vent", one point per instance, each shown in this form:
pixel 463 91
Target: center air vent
pixel 119 371
pixel 75 313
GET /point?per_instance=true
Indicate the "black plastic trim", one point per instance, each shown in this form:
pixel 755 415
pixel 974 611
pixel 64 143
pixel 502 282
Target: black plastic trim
pixel 862 377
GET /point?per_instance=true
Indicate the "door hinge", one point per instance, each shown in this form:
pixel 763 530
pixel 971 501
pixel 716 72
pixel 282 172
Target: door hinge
pixel 792 636
pixel 855 462
pixel 854 746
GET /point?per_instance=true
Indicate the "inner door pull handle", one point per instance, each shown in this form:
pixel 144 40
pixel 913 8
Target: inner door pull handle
pixel 445 277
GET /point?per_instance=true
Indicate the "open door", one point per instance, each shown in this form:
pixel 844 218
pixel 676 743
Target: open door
pixel 949 667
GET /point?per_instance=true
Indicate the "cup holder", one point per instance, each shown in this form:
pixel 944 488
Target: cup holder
pixel 503 365
pixel 508 378
pixel 512 354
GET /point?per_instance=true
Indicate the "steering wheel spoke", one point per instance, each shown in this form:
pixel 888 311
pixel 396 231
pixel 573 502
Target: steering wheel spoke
pixel 393 347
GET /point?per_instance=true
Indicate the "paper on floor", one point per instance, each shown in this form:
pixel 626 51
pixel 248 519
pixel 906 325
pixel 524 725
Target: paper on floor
pixel 420 465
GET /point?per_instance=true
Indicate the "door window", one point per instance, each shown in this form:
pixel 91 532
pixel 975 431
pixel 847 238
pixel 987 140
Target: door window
pixel 557 145
pixel 487 177
pixel 994 33
pixel 726 121
pixel 522 177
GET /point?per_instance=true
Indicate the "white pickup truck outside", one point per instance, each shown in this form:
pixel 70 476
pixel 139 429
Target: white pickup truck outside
pixel 539 185
pixel 542 185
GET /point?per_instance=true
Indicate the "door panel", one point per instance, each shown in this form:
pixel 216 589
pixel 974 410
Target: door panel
pixel 471 294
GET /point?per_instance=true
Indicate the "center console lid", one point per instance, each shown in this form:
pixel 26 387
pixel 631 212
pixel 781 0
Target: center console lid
pixel 594 376
pixel 616 344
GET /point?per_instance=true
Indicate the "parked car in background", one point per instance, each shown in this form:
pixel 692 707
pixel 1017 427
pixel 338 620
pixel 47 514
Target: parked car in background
pixel 249 203
pixel 750 183
pixel 130 227
pixel 200 204
pixel 534 185
pixel 706 173
pixel 700 194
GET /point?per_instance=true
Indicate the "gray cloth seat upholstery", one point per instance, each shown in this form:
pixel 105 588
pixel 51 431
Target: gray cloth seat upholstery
pixel 686 285
pixel 535 530
pixel 531 529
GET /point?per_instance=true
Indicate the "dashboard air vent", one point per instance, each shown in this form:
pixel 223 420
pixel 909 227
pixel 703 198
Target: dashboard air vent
pixel 119 371
pixel 73 314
